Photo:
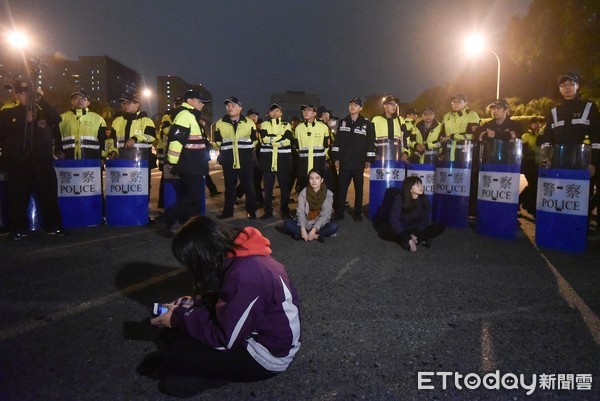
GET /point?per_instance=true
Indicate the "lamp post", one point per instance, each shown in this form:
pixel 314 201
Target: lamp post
pixel 475 44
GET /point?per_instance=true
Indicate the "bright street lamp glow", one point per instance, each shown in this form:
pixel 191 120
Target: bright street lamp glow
pixel 18 39
pixel 474 44
pixel 146 93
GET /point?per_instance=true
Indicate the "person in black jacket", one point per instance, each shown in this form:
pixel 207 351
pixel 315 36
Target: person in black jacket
pixel 353 151
pixel 27 138
pixel 409 217
pixel 576 121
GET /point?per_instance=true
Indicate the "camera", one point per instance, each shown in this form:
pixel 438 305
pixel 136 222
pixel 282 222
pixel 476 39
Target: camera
pixel 159 309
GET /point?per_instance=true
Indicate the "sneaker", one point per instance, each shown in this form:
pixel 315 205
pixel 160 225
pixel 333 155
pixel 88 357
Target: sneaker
pixel 251 215
pixel 213 194
pixel 224 216
pixel 266 216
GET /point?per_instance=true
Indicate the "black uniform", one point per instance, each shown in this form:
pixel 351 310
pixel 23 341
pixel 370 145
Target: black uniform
pixel 507 131
pixel 570 123
pixel 27 148
pixel 354 145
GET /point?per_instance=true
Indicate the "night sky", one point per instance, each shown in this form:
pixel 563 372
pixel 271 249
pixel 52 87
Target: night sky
pixel 253 48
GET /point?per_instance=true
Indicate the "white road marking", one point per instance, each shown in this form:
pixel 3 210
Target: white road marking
pixel 567 292
pixel 346 268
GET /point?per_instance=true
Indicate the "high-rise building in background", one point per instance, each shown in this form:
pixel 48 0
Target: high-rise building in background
pixel 101 77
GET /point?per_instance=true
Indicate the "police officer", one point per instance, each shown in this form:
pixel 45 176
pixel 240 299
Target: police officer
pixel 410 118
pixel 276 159
pixel 82 131
pixel 257 174
pixel 312 138
pixel 27 133
pixel 187 156
pixel 462 124
pixel 326 117
pixel 236 137
pixel 429 130
pixel 389 131
pixel 162 138
pixel 132 129
pixel 413 137
pixel 576 121
pixel 501 126
pixel 353 151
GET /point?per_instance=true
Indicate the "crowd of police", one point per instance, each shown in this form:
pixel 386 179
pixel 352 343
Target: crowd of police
pixel 254 153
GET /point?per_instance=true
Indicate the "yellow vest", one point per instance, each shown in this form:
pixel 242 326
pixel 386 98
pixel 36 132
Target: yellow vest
pixel 311 139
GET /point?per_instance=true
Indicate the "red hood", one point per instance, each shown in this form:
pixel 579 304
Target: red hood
pixel 251 242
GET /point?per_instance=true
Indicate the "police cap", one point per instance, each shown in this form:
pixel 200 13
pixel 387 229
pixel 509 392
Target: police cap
pixel 308 106
pixel 193 94
pixel 499 103
pixel 356 100
pixel 390 99
pixel 234 100
pixel 460 96
pixel 130 97
pixel 80 93
pixel 569 76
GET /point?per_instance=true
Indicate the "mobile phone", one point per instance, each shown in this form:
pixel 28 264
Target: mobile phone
pixel 158 309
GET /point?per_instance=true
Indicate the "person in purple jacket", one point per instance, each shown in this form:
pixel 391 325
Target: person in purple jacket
pixel 242 323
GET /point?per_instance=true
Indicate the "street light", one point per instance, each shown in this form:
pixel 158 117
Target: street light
pixel 20 41
pixel 475 44
pixel 17 40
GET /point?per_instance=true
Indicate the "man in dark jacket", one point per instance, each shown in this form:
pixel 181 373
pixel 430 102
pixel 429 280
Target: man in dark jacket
pixel 187 157
pixel 27 139
pixel 576 121
pixel 353 151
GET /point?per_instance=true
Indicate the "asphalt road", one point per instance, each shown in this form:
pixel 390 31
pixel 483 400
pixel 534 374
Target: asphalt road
pixel 375 319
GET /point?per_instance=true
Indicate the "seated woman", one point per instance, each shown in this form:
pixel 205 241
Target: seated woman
pixel 242 323
pixel 313 217
pixel 409 217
